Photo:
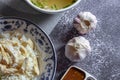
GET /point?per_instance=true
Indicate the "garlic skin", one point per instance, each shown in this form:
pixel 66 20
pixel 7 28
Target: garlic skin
pixel 84 22
pixel 77 49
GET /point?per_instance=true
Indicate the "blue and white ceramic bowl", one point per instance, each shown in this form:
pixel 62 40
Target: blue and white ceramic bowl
pixel 40 38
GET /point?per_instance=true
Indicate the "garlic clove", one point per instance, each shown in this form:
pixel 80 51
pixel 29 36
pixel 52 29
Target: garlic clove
pixel 77 49
pixel 84 22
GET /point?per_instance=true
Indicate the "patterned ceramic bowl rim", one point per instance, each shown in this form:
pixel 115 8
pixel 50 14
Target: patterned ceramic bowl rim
pixel 54 53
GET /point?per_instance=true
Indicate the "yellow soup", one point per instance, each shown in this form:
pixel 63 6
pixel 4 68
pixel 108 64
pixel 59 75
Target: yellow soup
pixel 53 4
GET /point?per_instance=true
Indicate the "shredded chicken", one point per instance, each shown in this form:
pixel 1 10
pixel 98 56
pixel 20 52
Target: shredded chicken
pixel 18 59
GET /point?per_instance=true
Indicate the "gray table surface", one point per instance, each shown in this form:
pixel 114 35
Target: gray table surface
pixel 104 60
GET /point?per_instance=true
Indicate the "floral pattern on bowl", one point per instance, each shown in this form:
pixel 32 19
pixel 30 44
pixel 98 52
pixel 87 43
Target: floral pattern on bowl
pixel 40 38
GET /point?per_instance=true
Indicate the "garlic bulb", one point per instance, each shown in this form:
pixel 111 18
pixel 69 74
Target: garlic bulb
pixel 84 22
pixel 77 49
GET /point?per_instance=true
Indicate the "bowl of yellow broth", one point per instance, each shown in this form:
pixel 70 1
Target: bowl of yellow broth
pixel 52 6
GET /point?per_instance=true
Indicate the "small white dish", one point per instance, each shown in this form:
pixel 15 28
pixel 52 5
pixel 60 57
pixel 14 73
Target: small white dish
pixel 86 75
pixel 52 11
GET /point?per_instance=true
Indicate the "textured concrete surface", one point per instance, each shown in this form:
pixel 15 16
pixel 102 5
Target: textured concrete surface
pixel 104 60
